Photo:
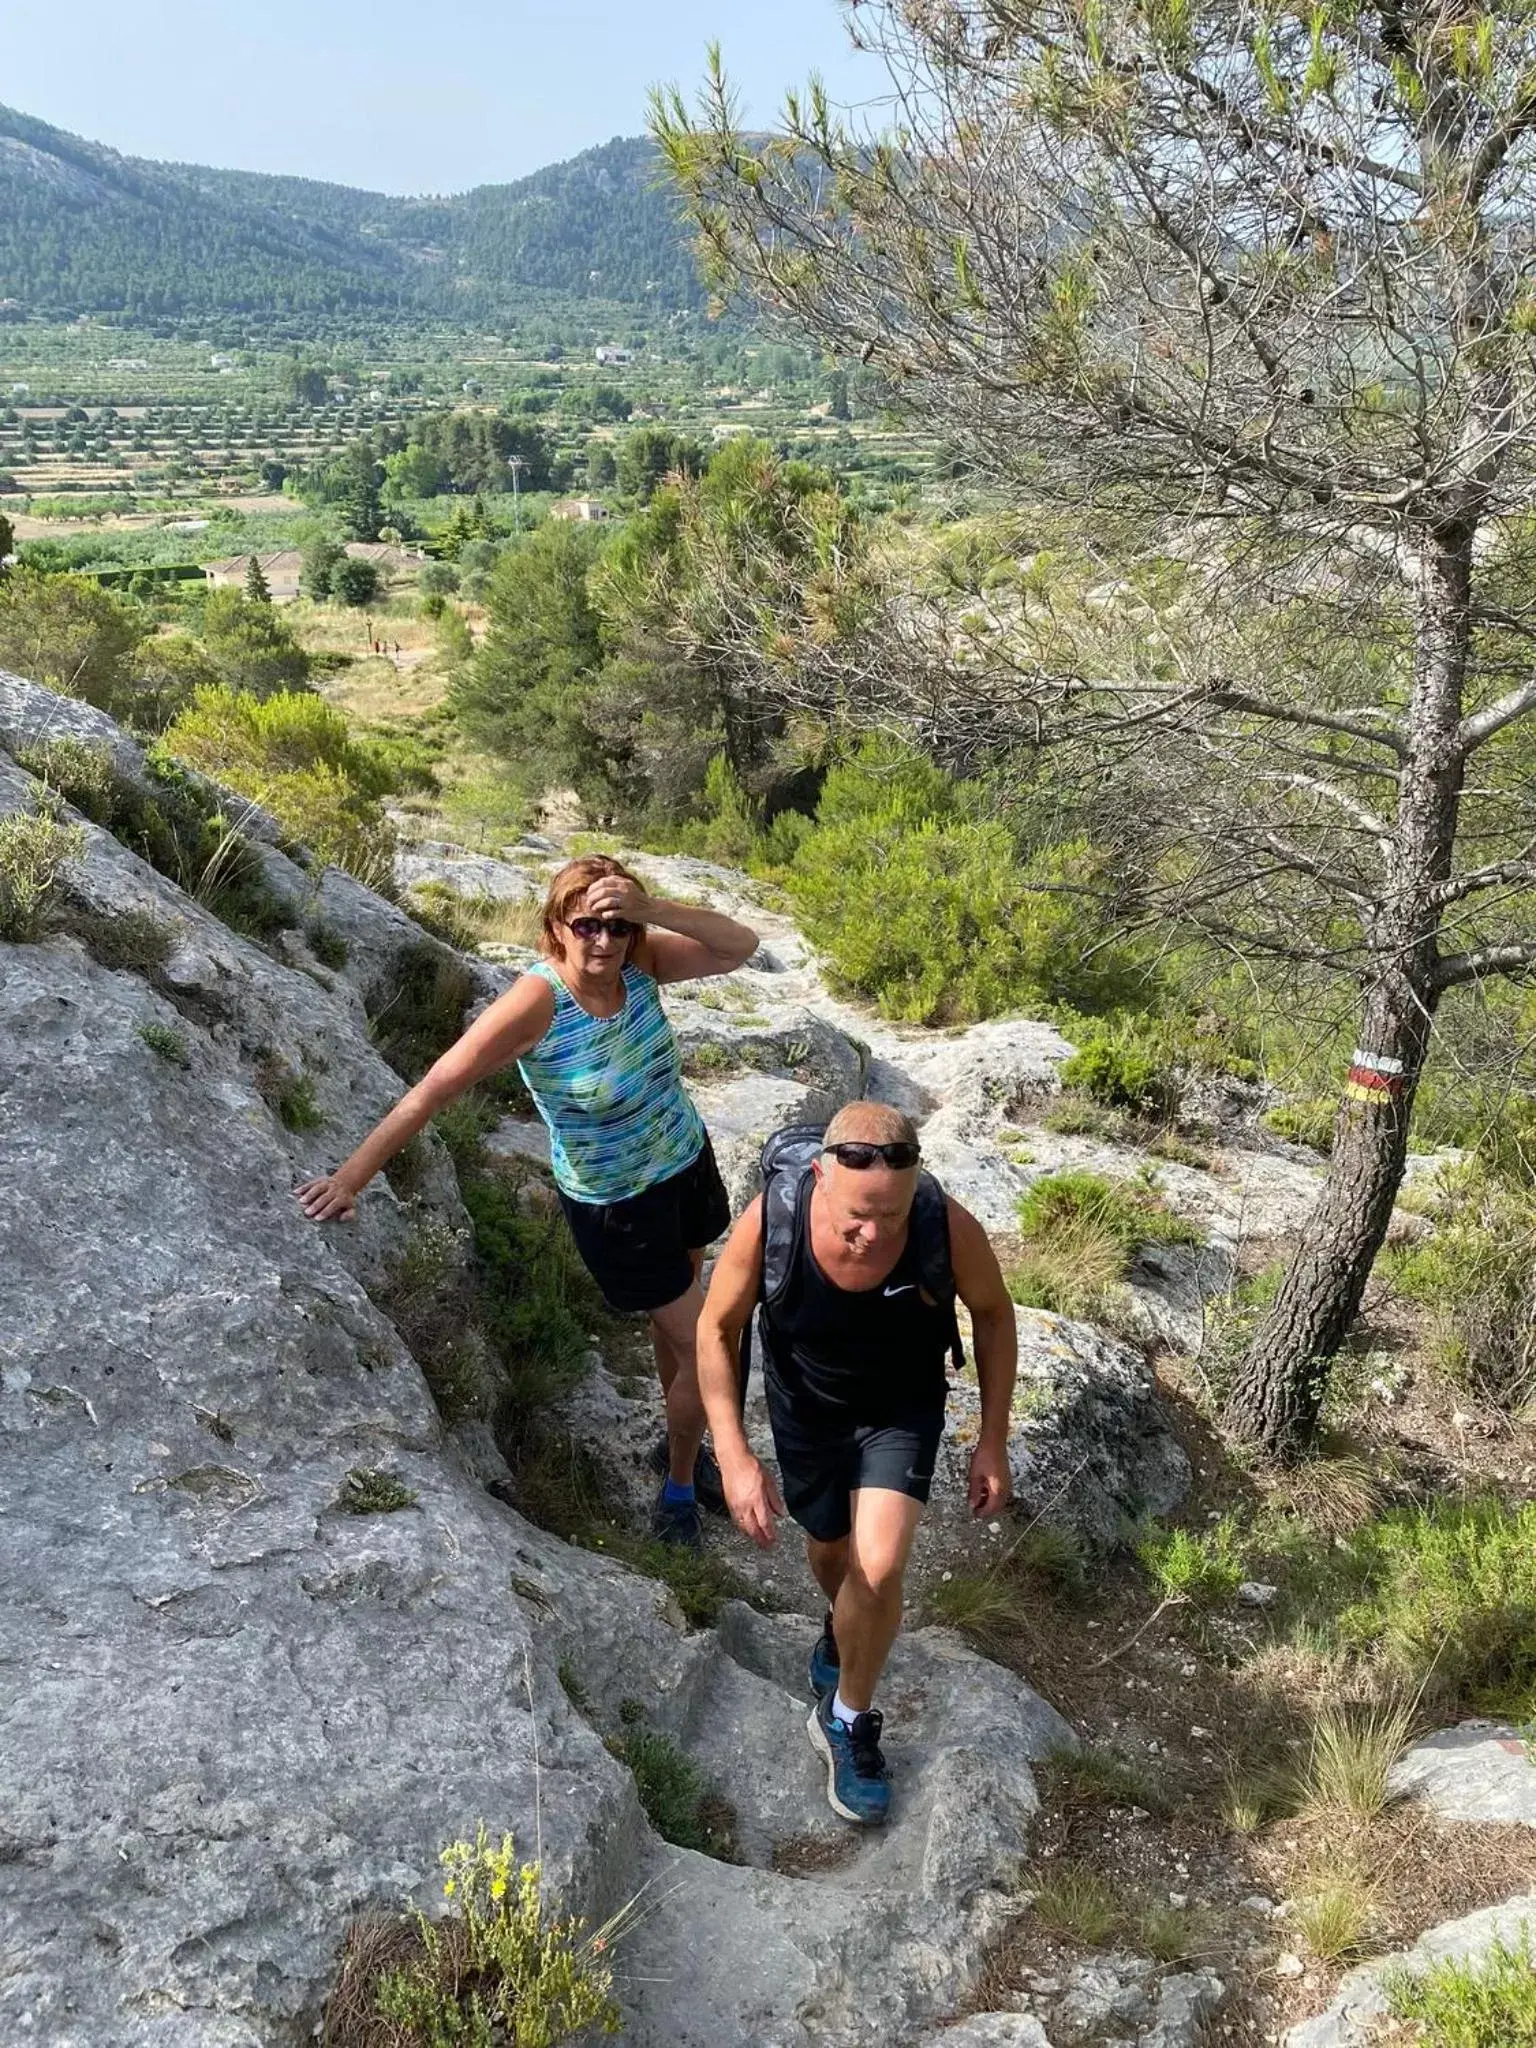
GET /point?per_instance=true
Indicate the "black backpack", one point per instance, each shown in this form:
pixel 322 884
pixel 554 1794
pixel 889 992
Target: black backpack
pixel 787 1182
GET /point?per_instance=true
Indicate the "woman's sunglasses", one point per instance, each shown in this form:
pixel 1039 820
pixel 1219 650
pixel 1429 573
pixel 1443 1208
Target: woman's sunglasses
pixel 594 927
pixel 860 1156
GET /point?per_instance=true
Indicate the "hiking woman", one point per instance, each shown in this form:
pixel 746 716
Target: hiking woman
pixel 633 1164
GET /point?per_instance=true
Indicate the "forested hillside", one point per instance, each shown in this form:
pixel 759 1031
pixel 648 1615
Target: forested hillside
pixel 83 229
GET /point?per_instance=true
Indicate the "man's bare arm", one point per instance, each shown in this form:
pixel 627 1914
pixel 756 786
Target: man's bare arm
pixel 733 1289
pixel 995 1337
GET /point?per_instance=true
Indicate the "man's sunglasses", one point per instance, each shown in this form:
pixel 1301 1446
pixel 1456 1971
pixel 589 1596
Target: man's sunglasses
pixel 593 927
pixel 860 1156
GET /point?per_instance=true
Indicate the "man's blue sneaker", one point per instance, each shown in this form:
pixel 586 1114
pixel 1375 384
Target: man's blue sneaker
pixel 677 1521
pixel 825 1666
pixel 857 1785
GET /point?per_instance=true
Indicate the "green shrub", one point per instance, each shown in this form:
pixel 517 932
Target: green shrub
pixel 1305 1123
pixel 1476 1278
pixel 294 755
pixel 68 633
pixel 495 1969
pixel 83 774
pixel 1203 1566
pixel 538 1301
pixel 1131 1212
pixel 1126 1064
pixel 421 1012
pixel 1447 1602
pixel 1486 2001
pixel 34 852
pixel 168 1043
pixel 250 646
pixel 927 907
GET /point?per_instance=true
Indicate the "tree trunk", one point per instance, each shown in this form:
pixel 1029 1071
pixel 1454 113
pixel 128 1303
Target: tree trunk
pixel 1279 1388
pixel 1278 1392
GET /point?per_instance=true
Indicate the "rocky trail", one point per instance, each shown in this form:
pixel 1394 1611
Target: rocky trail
pixel 237 1713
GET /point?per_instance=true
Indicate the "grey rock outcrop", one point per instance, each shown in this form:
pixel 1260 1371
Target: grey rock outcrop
pixel 1480 1770
pixel 238 1713
pixel 1090 1443
pixel 1362 1999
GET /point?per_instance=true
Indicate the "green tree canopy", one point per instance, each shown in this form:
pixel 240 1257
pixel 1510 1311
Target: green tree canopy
pixel 67 632
pixel 250 646
pixel 543 640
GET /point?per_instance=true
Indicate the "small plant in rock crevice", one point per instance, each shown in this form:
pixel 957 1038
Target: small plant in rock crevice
pixel 497 1968
pixel 327 944
pixel 35 850
pixel 172 820
pixel 419 1012
pixel 132 941
pixel 168 1042
pixel 679 1803
pixel 1081 1233
pixel 290 1096
pixel 367 1491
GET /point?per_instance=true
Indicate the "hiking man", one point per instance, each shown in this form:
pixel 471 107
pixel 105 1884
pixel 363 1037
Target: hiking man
pixel 856 1257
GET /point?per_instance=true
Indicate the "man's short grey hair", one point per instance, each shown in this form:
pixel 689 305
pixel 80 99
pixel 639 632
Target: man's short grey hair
pixel 870 1123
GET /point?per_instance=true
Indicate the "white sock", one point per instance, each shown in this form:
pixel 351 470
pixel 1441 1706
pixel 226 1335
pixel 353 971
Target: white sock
pixel 841 1711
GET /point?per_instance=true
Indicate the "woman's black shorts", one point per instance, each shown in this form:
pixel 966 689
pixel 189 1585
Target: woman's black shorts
pixel 637 1250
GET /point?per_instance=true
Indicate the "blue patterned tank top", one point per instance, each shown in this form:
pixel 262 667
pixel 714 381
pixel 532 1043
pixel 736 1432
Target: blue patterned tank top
pixel 611 1091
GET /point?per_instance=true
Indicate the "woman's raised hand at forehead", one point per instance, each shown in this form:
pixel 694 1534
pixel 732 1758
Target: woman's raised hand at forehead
pixel 616 896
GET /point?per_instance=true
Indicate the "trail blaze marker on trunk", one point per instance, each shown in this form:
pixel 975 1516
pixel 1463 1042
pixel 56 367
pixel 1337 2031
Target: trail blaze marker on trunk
pixel 1373 1077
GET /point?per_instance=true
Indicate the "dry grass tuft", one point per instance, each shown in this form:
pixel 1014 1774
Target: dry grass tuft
pixel 1073 1902
pixel 1350 1760
pixel 1335 1496
pixel 1335 1905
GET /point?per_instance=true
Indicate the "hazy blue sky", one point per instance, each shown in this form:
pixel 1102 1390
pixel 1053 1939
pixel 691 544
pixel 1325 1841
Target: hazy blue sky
pixel 400 95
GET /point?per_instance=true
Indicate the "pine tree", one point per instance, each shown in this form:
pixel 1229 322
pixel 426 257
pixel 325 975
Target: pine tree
pixel 7 541
pixel 361 511
pixel 256 588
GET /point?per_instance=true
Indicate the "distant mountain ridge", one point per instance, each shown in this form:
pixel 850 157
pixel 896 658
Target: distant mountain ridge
pixel 86 230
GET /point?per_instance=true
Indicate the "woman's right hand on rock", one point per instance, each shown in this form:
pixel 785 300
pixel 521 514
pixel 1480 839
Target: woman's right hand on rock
pixel 327 1199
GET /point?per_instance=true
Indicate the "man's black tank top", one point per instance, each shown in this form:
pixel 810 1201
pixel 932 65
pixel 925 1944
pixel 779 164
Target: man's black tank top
pixel 859 1359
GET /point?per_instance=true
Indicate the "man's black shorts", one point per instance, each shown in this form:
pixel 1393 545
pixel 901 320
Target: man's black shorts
pixel 637 1250
pixel 822 1462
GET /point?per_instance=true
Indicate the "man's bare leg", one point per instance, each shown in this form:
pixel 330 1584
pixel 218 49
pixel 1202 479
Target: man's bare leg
pixel 829 1565
pixel 866 1608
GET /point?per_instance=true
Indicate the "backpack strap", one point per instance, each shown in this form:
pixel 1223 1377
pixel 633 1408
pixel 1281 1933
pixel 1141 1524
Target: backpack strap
pixel 935 1266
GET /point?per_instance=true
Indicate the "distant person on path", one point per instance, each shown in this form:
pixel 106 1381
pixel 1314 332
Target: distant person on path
pixel 633 1164
pixel 856 1257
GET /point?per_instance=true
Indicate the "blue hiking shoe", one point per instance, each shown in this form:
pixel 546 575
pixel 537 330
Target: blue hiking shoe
pixel 857 1784
pixel 707 1483
pixel 825 1666
pixel 677 1521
